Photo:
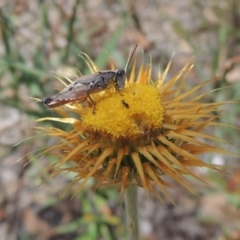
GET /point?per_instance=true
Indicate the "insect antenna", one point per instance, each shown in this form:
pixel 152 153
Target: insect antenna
pixel 130 56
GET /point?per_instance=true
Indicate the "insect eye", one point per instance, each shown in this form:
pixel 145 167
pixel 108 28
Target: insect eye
pixel 121 72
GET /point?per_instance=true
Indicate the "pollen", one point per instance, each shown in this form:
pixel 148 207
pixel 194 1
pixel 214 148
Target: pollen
pixel 129 115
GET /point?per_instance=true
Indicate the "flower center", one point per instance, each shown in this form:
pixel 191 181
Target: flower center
pixel 135 113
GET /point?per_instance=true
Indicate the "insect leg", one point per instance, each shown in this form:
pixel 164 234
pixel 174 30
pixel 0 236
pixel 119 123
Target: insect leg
pixel 91 101
pixel 119 91
pixel 116 86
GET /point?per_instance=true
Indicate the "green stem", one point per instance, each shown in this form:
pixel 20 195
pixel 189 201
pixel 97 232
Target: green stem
pixel 131 203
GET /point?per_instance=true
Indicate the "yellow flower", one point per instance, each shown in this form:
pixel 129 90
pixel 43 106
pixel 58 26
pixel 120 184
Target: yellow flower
pixel 154 128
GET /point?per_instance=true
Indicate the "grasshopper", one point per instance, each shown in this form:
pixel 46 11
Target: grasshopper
pixel 81 88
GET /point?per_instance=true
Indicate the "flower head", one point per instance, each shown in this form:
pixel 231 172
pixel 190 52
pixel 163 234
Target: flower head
pixel 151 129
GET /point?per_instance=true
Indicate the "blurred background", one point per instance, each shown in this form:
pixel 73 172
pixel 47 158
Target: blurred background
pixel 41 40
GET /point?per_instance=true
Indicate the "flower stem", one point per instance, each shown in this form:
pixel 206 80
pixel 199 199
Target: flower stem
pixel 130 200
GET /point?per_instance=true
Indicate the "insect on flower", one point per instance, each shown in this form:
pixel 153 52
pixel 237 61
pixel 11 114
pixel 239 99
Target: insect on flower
pixel 125 104
pixel 81 88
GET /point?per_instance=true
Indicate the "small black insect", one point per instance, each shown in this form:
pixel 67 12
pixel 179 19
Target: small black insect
pixel 125 104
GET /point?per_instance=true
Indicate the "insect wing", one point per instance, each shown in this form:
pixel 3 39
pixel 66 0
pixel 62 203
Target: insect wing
pixel 76 91
pixel 87 79
pixel 95 82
